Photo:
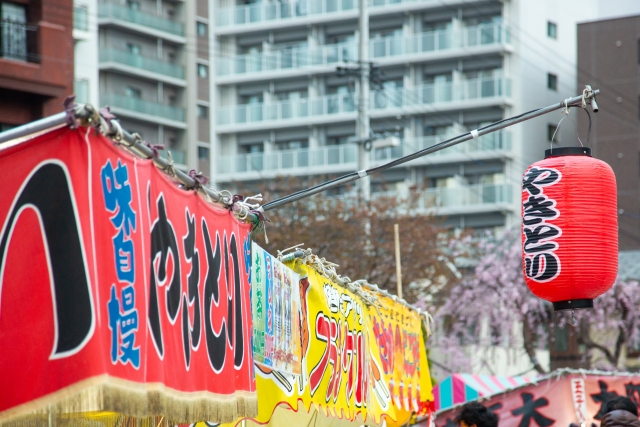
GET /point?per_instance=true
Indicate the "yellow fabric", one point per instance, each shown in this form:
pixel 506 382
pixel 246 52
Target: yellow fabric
pixel 339 329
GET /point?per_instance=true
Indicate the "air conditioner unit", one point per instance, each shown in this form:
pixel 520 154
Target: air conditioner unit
pixel 387 141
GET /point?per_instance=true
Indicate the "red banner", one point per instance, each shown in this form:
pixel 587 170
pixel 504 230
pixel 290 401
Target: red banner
pixel 119 291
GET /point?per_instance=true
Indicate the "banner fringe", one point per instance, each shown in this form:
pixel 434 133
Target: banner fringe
pixel 107 401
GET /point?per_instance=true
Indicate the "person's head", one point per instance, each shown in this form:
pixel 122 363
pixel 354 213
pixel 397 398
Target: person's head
pixel 621 402
pixel 473 414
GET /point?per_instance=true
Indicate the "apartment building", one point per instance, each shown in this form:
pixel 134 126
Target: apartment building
pixel 447 66
pixel 609 54
pixel 36 59
pixel 149 61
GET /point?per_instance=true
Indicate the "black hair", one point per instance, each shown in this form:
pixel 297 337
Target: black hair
pixel 474 413
pixel 621 402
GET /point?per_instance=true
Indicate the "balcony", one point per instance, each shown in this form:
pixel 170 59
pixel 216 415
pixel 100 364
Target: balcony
pixel 144 110
pixel 299 112
pixel 142 63
pixel 120 12
pixel 19 41
pixel 440 44
pixel 285 63
pixel 266 15
pixel 475 93
pixel 472 93
pixel 81 18
pixel 467 199
pixel 307 161
pixel 496 144
pixel 247 16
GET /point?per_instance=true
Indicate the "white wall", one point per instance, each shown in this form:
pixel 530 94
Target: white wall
pixel 536 55
pixel 86 52
pixel 608 9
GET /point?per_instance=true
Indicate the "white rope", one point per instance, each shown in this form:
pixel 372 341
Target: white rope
pixel 370 293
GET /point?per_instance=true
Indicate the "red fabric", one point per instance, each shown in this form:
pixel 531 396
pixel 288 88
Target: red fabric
pixel 549 402
pixel 55 332
pixel 570 228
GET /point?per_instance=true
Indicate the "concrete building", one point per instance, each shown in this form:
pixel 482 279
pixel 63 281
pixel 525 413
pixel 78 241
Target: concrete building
pixel 85 35
pixel 449 66
pixel 609 56
pixel 36 59
pixel 153 61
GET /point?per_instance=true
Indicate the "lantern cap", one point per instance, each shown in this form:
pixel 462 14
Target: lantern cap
pixel 573 304
pixel 567 151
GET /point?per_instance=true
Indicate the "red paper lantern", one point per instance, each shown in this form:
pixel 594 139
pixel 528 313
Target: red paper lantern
pixel 569 228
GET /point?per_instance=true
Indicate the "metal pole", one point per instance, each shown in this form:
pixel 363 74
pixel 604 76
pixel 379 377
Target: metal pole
pixel 362 126
pixel 33 127
pixel 396 235
pixel 576 101
pixel 132 144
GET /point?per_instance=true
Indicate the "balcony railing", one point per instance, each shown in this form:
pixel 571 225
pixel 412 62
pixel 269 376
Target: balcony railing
pixel 141 106
pixel 441 93
pixel 296 9
pixel 389 99
pixel 494 142
pixel 286 110
pixel 465 196
pixel 441 40
pixel 124 13
pixel 19 41
pixel 287 161
pixel 81 18
pixel 265 12
pixel 144 63
pixel 294 58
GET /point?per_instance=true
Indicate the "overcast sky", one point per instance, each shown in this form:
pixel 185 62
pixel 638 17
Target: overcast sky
pixel 618 8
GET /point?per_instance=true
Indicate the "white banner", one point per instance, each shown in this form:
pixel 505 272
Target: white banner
pixel 579 400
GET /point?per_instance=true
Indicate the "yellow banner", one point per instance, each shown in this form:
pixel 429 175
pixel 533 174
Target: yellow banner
pixel 358 360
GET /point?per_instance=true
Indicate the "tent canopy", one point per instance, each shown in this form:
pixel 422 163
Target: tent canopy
pixel 460 388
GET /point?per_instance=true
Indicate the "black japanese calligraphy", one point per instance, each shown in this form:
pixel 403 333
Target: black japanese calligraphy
pixel 48 191
pixel 603 397
pixel 529 411
pixel 541 263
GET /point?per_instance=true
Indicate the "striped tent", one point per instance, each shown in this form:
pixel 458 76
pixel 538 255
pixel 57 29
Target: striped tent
pixel 460 388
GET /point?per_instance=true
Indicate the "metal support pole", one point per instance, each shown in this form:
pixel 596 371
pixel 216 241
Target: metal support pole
pixel 396 238
pixel 576 101
pixel 132 144
pixel 362 125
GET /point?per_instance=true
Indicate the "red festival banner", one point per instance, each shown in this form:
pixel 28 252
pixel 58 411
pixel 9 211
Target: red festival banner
pixel 119 290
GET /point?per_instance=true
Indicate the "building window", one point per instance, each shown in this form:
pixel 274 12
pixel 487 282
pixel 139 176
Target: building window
pixel 202 71
pixel 81 18
pixel 203 112
pixel 561 339
pixel 133 5
pixel 552 81
pixel 292 145
pixel 133 92
pixel 201 28
pixel 203 153
pixel 16 33
pixel 133 48
pixel 81 90
pixel 552 30
pixel 252 148
pixel 551 129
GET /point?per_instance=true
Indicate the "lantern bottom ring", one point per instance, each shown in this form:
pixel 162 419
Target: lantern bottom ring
pixel 573 304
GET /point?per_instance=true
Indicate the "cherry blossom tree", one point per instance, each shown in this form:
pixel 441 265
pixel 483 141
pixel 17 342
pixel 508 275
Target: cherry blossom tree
pixel 359 237
pixel 495 293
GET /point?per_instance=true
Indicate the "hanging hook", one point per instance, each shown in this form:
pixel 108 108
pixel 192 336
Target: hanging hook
pixel 574 321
